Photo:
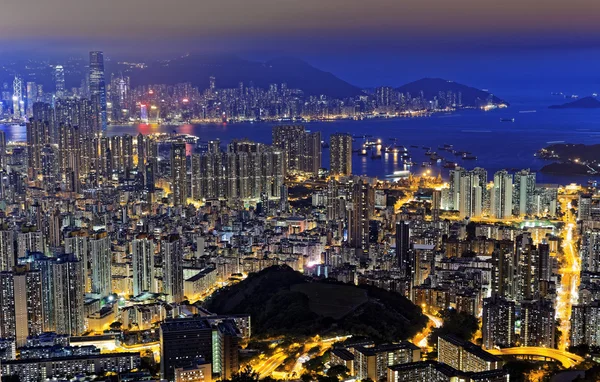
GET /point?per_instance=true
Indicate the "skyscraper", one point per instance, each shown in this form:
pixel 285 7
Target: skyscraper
pixel 502 193
pixel 468 191
pixel 101 260
pixel 17 98
pixel 142 254
pixel 301 149
pixel 498 322
pixel 172 257
pixel 98 91
pixel 358 217
pixel 179 173
pixel 67 283
pixel 59 80
pixel 524 192
pixel 340 154
pixel 537 323
pixel 403 251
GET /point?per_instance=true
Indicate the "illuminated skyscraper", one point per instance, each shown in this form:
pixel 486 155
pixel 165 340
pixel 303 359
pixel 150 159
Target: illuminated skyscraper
pixel 98 91
pixel 301 149
pixel 142 255
pixel 59 80
pixel 498 323
pixel 31 97
pixel 17 98
pixel 358 217
pixel 172 257
pixel 340 154
pixel 101 260
pixel 538 323
pixel 502 193
pixel 179 173
pixel 524 192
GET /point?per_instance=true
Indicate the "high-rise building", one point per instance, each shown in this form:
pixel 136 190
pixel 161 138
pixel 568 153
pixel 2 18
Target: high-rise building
pixel 498 322
pixel 67 288
pixel 179 173
pixel 301 149
pixel 590 250
pixel 17 98
pixel 502 193
pixel 537 323
pixel 172 257
pixel 98 92
pixel 585 324
pixel 524 193
pixel 21 305
pixel 142 254
pixel 100 263
pixel 340 154
pixel 468 191
pixel 7 248
pixel 584 211
pixel 185 342
pixel 465 356
pixel 38 137
pixel 359 215
pixel 59 80
pixel 403 249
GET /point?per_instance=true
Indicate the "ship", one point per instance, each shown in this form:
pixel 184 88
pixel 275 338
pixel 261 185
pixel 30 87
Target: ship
pixel 507 119
pixel 469 157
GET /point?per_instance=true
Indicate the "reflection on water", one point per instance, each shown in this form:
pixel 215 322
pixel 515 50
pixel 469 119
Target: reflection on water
pixel 503 146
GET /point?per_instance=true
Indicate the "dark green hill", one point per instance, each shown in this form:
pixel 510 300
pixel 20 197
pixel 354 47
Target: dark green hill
pixel 284 302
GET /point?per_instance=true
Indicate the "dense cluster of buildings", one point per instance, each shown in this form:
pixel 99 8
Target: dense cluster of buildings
pixel 99 233
pixel 117 100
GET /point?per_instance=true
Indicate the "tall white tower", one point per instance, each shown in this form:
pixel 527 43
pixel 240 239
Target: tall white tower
pixel 17 97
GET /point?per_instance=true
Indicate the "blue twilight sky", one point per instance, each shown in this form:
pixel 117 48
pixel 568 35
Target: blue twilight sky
pixel 486 43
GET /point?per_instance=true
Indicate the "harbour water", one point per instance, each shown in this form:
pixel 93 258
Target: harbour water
pixel 497 143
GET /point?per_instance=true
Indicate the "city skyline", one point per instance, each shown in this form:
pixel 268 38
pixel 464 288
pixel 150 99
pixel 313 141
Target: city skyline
pixel 302 191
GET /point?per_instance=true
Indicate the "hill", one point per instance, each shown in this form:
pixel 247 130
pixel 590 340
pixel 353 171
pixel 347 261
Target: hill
pixel 230 70
pixel 581 103
pixel 432 86
pixel 284 302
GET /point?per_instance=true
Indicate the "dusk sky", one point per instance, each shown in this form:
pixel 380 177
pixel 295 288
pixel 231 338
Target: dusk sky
pixel 275 24
pixel 365 42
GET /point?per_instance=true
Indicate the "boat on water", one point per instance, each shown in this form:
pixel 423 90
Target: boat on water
pixel 527 111
pixel 466 156
pixel 399 174
pixel 450 165
pixel 507 119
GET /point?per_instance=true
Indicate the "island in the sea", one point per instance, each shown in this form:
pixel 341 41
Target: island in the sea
pixel 581 103
pixel 570 159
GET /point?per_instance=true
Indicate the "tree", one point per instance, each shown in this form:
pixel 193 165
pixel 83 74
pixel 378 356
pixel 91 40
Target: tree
pixel 460 324
pixel 247 374
pixel 339 372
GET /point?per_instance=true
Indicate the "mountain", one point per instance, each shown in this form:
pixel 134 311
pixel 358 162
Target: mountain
pixel 432 86
pixel 282 301
pixel 230 70
pixel 581 103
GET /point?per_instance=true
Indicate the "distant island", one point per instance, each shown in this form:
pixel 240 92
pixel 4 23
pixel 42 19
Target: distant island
pixel 570 159
pixel 282 301
pixel 581 103
pixel 433 87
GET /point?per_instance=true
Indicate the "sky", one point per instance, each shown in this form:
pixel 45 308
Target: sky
pixel 307 25
pixel 366 42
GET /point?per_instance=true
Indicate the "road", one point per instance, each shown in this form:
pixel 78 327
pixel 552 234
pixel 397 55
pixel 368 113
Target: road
pixel 568 291
pixel 268 366
pixel 567 359
pixel 420 339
